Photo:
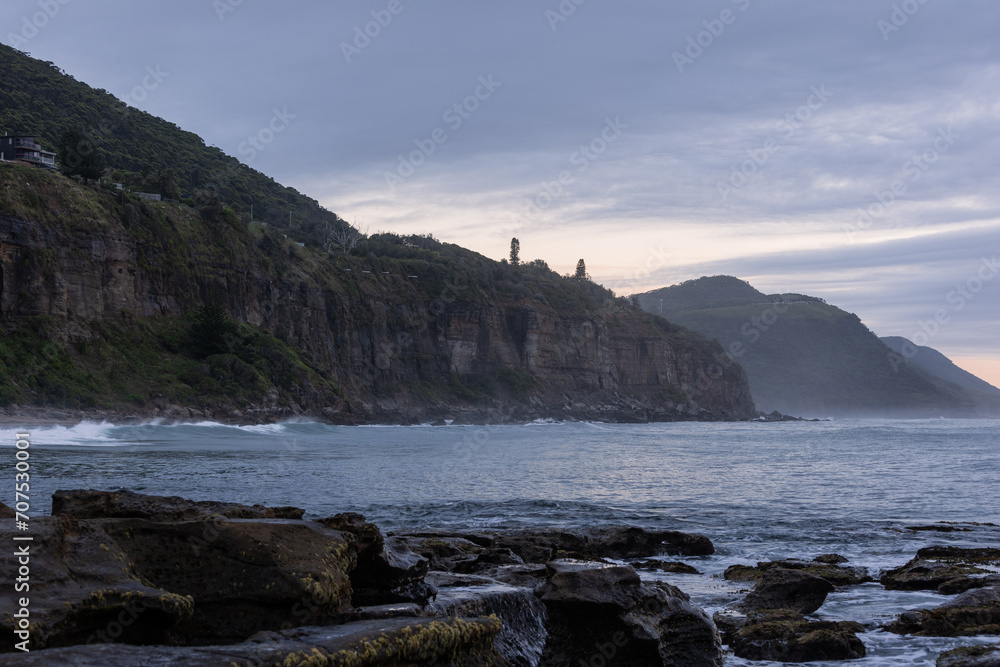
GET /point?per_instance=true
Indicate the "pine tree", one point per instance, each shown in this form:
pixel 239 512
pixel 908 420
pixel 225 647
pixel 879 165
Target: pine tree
pixel 213 331
pixel 581 271
pixel 515 252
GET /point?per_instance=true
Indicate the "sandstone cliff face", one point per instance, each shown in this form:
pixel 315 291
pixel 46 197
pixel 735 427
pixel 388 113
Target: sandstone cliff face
pixel 397 351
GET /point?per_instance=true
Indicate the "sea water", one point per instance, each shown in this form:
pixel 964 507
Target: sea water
pixel 760 491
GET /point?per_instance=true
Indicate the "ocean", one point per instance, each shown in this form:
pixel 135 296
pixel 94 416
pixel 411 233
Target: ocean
pixel 760 491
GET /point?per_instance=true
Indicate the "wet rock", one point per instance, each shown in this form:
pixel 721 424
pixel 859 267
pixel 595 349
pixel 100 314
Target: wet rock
pixel 782 588
pixel 835 574
pixel 664 566
pixel 84 589
pixel 962 584
pixel 786 636
pixel 927 572
pixel 987 655
pixel 975 612
pixel 387 569
pixel 591 583
pixel 426 642
pixel 124 504
pixel 603 612
pixel 541 546
pixel 444 552
pixel 522 635
pixel 830 559
pixel 980 556
pixel 244 575
pixel 488 559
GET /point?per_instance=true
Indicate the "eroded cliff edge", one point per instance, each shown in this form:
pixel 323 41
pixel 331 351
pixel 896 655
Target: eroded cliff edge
pixel 98 291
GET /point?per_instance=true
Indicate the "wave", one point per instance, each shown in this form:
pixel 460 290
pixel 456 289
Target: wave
pixel 107 434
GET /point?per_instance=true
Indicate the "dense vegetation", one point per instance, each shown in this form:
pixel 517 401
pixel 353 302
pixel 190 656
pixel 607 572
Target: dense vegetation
pixel 143 151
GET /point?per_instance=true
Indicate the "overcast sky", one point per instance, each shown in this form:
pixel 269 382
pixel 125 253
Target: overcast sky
pixel 659 141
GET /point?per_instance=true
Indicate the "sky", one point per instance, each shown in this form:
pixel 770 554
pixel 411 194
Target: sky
pixel 847 150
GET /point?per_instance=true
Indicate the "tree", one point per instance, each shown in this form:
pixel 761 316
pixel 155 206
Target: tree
pixel 343 236
pixel 212 332
pixel 581 271
pixel 79 157
pixel 515 252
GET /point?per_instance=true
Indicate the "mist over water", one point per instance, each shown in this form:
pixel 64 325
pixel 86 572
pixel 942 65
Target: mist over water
pixel 759 491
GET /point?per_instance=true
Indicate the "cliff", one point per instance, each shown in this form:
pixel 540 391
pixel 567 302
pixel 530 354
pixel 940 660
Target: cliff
pixel 98 293
pixel 806 357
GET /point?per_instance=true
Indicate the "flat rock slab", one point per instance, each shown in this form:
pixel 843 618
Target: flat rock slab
pixel 571 581
pixel 90 504
pixel 454 642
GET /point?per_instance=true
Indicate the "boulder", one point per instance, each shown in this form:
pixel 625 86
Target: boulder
pixel 425 642
pixel 599 611
pixel 83 588
pixel 975 612
pixel 244 575
pixel 124 504
pixel 591 583
pixel 782 588
pixel 835 574
pixel 786 636
pixel 522 615
pixel 986 655
pixel 387 570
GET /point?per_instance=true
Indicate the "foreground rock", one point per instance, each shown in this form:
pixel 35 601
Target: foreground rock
pixel 89 504
pixel 454 642
pixel 934 567
pixel 84 589
pixel 603 612
pixel 781 588
pixel 828 569
pixel 387 571
pixel 522 635
pixel 458 551
pixel 975 612
pixel 786 636
pixel 971 656
pixel 244 575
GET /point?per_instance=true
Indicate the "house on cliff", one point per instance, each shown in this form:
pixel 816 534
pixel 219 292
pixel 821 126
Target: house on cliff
pixel 26 149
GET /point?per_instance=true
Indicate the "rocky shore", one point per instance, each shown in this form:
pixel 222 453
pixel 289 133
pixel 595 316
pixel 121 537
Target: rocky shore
pixel 118 578
pixel 625 413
